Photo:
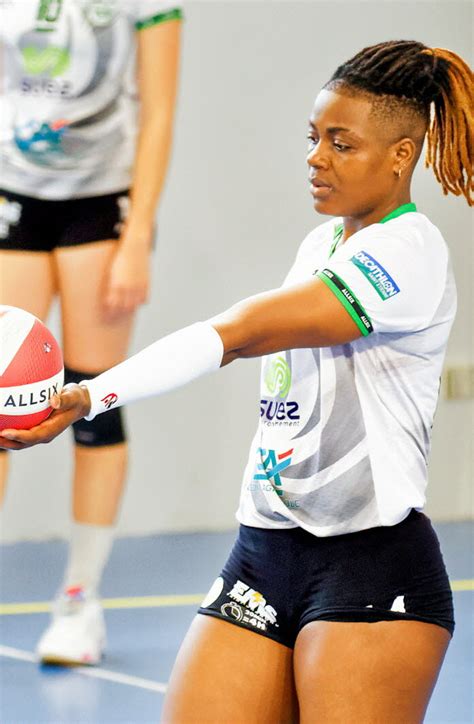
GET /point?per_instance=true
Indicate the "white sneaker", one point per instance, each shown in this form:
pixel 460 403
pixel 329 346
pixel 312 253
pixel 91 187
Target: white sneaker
pixel 76 634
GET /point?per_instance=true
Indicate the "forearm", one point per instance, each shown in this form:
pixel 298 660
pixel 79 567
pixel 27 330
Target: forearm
pixel 307 315
pixel 165 365
pixel 149 173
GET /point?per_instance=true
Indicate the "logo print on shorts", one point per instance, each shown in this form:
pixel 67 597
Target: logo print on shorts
pixel 249 607
pixel 109 400
pixel 123 203
pixel 232 610
pixel 10 213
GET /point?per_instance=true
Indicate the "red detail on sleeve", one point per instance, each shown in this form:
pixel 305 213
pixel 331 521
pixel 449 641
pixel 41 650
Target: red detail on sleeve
pixel 109 399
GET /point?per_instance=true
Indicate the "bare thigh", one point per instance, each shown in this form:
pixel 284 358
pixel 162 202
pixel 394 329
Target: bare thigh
pixel 375 673
pixel 91 342
pixel 225 674
pixel 27 280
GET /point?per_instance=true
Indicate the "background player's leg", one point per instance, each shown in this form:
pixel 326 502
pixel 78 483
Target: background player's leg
pixel 367 672
pixel 224 673
pixel 27 280
pixel 91 345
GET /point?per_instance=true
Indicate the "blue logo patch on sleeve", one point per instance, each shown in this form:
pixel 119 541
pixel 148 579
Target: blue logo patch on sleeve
pixel 379 277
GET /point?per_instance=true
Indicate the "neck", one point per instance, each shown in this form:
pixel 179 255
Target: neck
pixel 352 224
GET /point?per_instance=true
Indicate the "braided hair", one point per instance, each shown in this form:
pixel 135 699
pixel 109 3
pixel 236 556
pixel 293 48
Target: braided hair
pixel 435 84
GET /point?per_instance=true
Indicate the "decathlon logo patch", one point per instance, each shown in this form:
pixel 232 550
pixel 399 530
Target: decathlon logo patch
pixel 379 277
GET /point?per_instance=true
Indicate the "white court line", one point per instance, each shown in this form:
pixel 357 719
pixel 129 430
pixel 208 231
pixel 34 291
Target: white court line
pixel 94 673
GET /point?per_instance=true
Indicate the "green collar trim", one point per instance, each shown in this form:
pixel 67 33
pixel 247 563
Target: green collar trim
pixel 404 209
pixel 339 228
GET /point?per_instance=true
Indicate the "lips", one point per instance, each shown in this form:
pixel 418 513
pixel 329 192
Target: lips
pixel 319 188
pixel 318 183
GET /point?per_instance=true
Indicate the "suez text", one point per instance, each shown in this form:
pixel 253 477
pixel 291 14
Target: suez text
pixel 279 410
pixel 45 86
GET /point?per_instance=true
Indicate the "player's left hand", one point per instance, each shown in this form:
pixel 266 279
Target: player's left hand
pixel 128 282
pixel 72 404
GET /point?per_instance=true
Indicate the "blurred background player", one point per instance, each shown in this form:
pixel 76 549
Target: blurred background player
pixel 86 114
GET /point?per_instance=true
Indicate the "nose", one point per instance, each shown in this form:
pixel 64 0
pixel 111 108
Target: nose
pixel 316 157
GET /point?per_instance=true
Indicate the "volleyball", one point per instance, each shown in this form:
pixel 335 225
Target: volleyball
pixel 31 369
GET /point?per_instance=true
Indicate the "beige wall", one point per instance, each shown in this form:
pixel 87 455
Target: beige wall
pixel 235 210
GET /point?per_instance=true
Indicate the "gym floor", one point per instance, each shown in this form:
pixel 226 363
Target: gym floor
pixel 151 590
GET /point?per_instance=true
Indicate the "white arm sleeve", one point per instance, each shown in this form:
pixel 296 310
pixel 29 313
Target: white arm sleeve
pixel 166 364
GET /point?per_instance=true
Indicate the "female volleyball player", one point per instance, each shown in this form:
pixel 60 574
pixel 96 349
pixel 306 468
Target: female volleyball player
pixel 336 590
pixel 81 178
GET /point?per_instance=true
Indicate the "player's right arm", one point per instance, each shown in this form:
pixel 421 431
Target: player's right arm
pixel 307 315
pixel 337 306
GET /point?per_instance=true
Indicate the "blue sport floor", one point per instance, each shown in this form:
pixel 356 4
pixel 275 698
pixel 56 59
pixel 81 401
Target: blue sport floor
pixel 151 590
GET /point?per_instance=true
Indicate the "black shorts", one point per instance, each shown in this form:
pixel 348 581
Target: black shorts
pixel 276 581
pixel 30 224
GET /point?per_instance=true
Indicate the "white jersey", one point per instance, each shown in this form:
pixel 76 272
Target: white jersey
pixel 344 432
pixel 68 108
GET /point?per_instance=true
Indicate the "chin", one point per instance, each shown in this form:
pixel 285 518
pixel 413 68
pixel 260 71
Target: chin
pixel 326 207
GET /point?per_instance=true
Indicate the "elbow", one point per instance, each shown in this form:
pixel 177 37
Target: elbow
pixel 236 331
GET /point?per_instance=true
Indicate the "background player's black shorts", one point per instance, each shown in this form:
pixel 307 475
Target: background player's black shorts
pixel 30 224
pixel 276 581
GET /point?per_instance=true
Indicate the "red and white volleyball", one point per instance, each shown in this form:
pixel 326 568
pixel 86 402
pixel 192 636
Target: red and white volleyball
pixel 31 369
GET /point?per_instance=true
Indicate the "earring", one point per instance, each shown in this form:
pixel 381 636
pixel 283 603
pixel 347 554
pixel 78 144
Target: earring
pixel 399 173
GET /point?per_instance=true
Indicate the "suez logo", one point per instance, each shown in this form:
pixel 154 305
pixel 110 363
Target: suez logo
pixel 379 277
pixel 277 380
pixel 52 61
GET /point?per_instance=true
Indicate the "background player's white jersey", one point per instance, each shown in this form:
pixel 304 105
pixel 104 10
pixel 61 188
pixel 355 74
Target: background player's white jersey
pixel 68 109
pixel 344 432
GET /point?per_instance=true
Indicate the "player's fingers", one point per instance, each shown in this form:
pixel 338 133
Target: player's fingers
pixel 6 444
pixel 46 431
pixel 74 403
pixel 70 396
pixel 124 305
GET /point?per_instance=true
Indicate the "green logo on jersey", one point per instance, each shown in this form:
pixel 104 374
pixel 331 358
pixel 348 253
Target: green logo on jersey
pixel 100 13
pixel 48 13
pixel 278 377
pixel 52 61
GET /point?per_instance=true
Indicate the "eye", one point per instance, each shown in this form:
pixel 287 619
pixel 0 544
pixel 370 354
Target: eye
pixel 311 141
pixel 340 146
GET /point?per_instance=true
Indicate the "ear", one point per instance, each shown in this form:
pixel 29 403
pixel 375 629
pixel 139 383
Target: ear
pixel 404 155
